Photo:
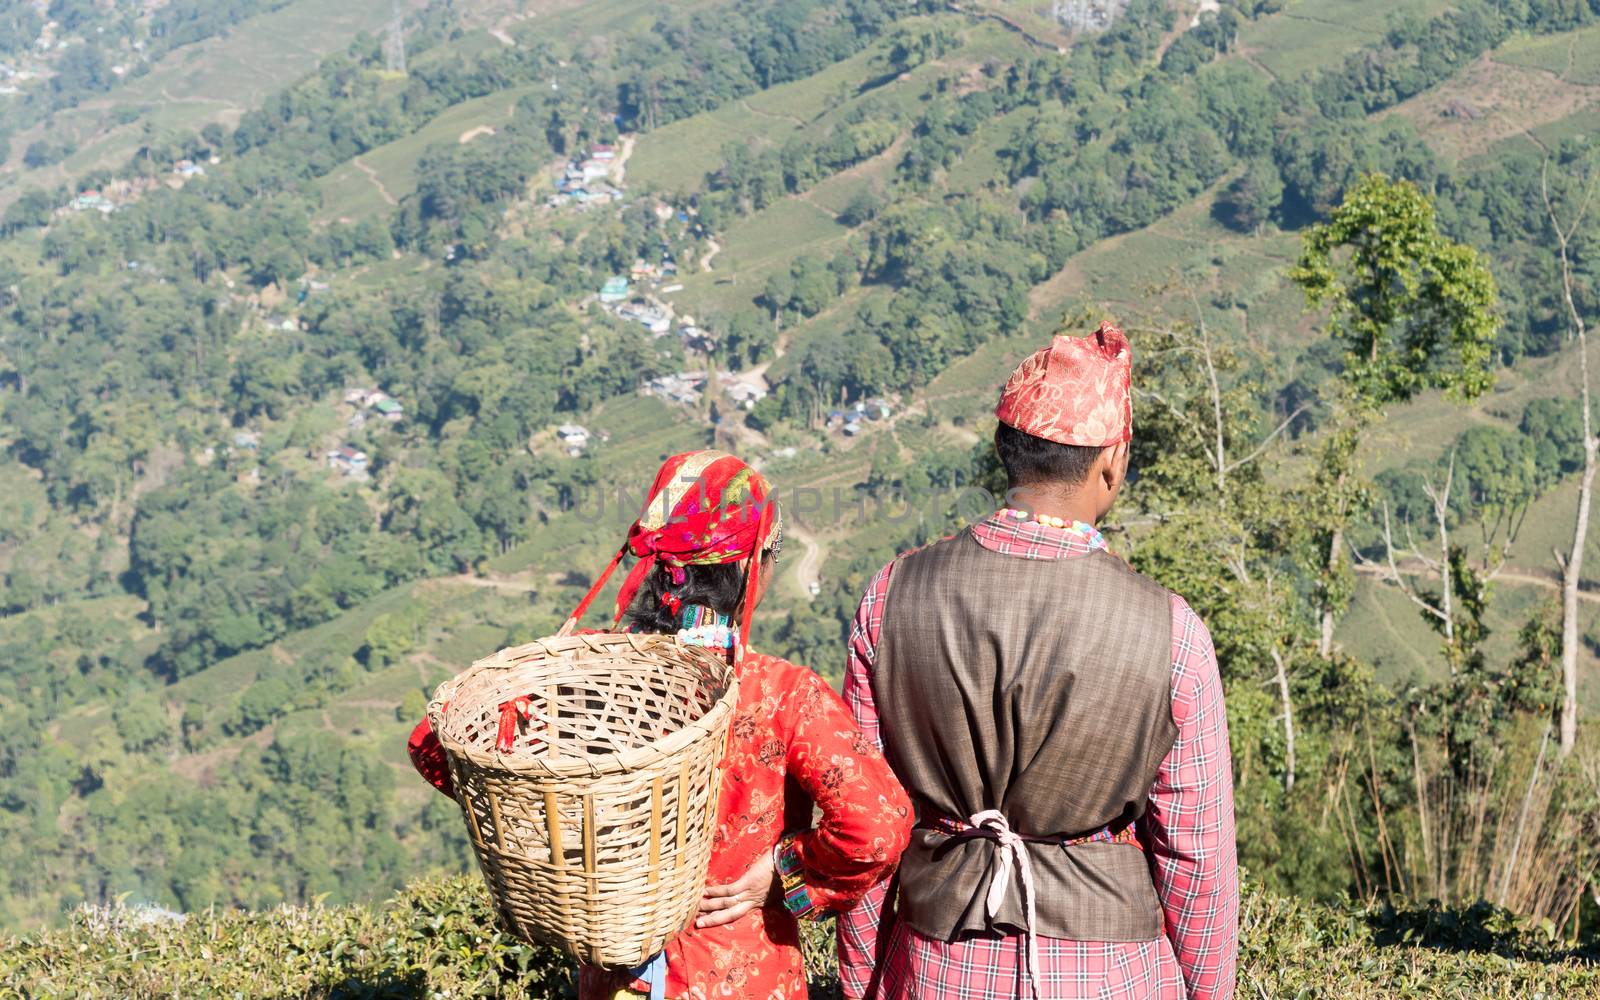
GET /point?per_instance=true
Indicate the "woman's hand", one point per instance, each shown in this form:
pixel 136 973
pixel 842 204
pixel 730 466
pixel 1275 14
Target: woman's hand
pixel 723 904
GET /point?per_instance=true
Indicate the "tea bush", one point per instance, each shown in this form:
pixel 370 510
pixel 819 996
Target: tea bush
pixel 438 939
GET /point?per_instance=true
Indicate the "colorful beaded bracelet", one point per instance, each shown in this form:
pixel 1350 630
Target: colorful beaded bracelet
pixel 786 859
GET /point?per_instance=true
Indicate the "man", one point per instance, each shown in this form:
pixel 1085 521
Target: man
pixel 1058 722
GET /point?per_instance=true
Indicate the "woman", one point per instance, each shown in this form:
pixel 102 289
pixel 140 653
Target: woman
pixel 708 523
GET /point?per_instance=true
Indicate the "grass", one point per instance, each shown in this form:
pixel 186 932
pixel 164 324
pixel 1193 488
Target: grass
pixel 677 157
pixel 980 160
pixel 1032 16
pixel 1312 34
pixel 779 234
pixel 1180 263
pixel 1386 629
pixel 390 172
pixel 575 22
pixel 1573 56
pixel 217 686
pixel 1508 94
pixel 756 247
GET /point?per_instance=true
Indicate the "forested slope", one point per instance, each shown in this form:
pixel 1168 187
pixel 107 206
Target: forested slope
pixel 213 642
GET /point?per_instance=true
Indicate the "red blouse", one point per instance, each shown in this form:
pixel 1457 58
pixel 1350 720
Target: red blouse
pixel 790 729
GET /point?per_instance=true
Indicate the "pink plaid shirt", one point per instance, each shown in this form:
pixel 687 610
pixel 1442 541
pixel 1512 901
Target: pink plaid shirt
pixel 1187 831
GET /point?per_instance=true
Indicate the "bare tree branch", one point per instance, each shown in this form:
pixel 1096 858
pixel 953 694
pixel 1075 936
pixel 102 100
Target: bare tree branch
pixel 1216 398
pixel 1572 569
pixel 1184 418
pixel 1441 509
pixel 1394 576
pixel 1262 447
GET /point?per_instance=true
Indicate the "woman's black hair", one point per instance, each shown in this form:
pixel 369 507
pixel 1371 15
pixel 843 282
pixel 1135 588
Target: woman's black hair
pixel 719 587
pixel 1028 459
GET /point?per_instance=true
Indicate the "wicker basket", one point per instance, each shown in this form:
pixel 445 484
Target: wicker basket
pixel 594 829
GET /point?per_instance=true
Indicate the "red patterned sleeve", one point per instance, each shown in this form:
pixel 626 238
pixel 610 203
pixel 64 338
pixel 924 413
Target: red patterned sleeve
pixel 1189 822
pixel 427 756
pixel 860 926
pixel 866 817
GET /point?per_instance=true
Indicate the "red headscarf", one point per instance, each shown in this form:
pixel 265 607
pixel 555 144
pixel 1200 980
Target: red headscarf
pixel 704 508
pixel 1076 391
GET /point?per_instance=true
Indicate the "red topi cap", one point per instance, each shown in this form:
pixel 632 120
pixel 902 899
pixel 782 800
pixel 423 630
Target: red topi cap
pixel 1076 391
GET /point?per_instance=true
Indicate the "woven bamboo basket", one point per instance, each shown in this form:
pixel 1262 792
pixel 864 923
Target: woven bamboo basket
pixel 594 830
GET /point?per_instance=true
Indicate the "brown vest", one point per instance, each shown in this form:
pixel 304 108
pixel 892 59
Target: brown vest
pixel 1041 688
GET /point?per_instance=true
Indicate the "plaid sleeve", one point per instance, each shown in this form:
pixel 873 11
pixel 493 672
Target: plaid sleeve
pixel 858 926
pixel 1189 821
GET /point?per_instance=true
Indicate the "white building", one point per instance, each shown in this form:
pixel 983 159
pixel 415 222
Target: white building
pixel 573 437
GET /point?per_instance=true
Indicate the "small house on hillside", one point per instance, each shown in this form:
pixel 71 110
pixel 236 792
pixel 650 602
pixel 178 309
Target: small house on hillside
pixel 747 393
pixel 390 410
pixel 246 441
pixel 602 151
pixel 348 460
pixel 574 438
pixel 615 289
pixel 92 201
pixel 683 387
pixel 655 320
pixel 697 339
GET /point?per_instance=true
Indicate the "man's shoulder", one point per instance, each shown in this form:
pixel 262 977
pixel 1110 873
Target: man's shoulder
pixel 1113 563
pixel 928 547
pixel 880 579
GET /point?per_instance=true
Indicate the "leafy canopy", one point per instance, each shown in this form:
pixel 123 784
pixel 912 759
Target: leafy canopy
pixel 1415 309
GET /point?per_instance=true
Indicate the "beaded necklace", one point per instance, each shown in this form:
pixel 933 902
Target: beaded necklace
pixel 699 625
pixel 1087 532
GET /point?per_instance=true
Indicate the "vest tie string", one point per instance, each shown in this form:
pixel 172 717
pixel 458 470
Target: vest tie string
pixel 1013 851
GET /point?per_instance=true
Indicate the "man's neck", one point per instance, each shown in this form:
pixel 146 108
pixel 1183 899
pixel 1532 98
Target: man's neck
pixel 1067 505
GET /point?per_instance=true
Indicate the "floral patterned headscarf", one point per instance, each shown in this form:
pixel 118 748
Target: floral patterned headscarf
pixel 705 508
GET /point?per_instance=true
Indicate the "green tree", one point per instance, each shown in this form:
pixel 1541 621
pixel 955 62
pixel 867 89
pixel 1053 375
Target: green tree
pixel 1251 200
pixel 411 707
pixel 388 638
pixel 1414 310
pixel 262 702
pixel 141 723
pixel 1554 428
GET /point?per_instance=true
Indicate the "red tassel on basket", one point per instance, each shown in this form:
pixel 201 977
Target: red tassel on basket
pixel 519 707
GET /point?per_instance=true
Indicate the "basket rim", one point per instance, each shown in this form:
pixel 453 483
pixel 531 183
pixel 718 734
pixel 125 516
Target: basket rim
pixel 600 765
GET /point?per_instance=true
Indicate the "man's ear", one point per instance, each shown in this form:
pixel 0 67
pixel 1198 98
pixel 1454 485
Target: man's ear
pixel 1113 465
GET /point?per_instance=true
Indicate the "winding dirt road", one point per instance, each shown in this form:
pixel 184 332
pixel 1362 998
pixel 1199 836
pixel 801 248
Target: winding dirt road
pixel 808 569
